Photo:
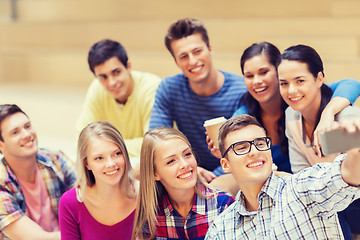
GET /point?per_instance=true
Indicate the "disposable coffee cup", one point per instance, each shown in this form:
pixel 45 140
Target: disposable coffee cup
pixel 212 127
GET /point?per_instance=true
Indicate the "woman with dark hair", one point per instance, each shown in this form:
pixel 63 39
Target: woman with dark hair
pixel 301 77
pixel 259 65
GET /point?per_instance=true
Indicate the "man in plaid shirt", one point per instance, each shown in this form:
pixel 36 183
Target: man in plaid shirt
pixel 299 206
pixel 32 180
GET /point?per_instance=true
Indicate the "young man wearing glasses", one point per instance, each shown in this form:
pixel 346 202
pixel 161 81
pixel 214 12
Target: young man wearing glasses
pixel 299 206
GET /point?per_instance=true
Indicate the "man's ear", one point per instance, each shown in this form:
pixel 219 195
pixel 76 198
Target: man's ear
pixel 225 165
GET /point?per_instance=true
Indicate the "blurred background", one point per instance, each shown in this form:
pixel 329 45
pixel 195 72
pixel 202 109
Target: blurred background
pixel 44 45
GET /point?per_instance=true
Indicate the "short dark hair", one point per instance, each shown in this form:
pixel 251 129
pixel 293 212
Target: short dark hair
pixel 184 28
pixel 234 124
pixel 7 110
pixel 104 50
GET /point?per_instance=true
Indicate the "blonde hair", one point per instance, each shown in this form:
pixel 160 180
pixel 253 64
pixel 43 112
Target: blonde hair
pixel 105 131
pixel 151 190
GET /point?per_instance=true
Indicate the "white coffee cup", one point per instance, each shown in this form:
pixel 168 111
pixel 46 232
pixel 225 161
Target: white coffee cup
pixel 212 127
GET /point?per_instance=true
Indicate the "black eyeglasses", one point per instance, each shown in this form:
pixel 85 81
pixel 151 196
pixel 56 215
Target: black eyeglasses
pixel 243 147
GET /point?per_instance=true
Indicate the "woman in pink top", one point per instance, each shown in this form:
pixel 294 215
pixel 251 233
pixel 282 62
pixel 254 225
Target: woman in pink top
pixel 102 206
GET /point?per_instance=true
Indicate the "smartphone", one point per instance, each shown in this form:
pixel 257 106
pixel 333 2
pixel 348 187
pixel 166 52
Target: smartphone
pixel 338 141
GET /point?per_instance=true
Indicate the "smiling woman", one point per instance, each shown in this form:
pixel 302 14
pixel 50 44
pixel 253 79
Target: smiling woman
pixel 102 204
pixel 173 202
pixel 301 77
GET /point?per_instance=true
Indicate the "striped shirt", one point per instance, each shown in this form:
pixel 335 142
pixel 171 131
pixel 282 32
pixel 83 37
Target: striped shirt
pixel 171 225
pixel 176 101
pixel 56 170
pixel 300 206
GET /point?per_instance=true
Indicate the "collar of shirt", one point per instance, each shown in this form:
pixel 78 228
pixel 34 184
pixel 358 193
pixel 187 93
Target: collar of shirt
pixel 198 207
pixel 268 190
pixel 41 160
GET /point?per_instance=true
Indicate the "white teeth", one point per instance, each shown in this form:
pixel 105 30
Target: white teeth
pixel 185 175
pixel 295 99
pixel 194 70
pixel 111 173
pixel 260 89
pixel 255 164
pixel 28 144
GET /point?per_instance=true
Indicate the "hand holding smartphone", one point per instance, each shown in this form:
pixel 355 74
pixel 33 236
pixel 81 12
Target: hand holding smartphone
pixel 338 141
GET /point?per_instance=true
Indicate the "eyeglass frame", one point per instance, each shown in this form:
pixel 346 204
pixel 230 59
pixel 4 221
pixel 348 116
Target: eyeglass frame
pixel 268 141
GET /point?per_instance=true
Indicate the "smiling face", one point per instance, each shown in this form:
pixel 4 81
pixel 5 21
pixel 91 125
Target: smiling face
pixel 193 57
pixel 20 140
pixel 115 78
pixel 252 168
pixel 106 161
pixel 298 87
pixel 175 165
pixel 261 78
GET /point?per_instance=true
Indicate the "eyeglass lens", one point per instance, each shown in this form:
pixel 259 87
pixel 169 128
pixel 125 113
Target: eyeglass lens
pixel 261 144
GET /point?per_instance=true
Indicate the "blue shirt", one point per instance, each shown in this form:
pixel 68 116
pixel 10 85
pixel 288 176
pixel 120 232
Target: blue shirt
pixel 175 101
pixel 299 206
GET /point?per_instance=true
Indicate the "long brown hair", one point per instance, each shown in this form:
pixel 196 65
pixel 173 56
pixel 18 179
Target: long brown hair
pixel 151 190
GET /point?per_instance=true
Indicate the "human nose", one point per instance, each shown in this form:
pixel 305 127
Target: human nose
pixel 110 162
pixel 26 133
pixel 292 89
pixel 112 81
pixel 192 59
pixel 183 163
pixel 257 79
pixel 253 149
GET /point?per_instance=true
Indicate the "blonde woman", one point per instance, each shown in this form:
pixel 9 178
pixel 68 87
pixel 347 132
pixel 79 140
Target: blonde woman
pixel 173 203
pixel 102 206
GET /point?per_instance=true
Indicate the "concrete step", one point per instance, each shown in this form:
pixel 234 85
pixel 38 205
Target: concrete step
pixel 70 67
pixel 5 11
pixel 345 8
pixel 85 10
pixel 341 34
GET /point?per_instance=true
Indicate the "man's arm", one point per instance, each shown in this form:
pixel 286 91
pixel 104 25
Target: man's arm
pixel 25 228
pixel 335 105
pixel 161 115
pixel 346 88
pixel 67 168
pixel 350 168
pixel 346 91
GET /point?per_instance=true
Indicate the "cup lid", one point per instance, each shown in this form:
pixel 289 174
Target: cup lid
pixel 214 121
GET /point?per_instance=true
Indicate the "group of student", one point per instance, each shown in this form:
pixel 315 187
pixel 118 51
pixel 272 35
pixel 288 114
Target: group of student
pixel 181 187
